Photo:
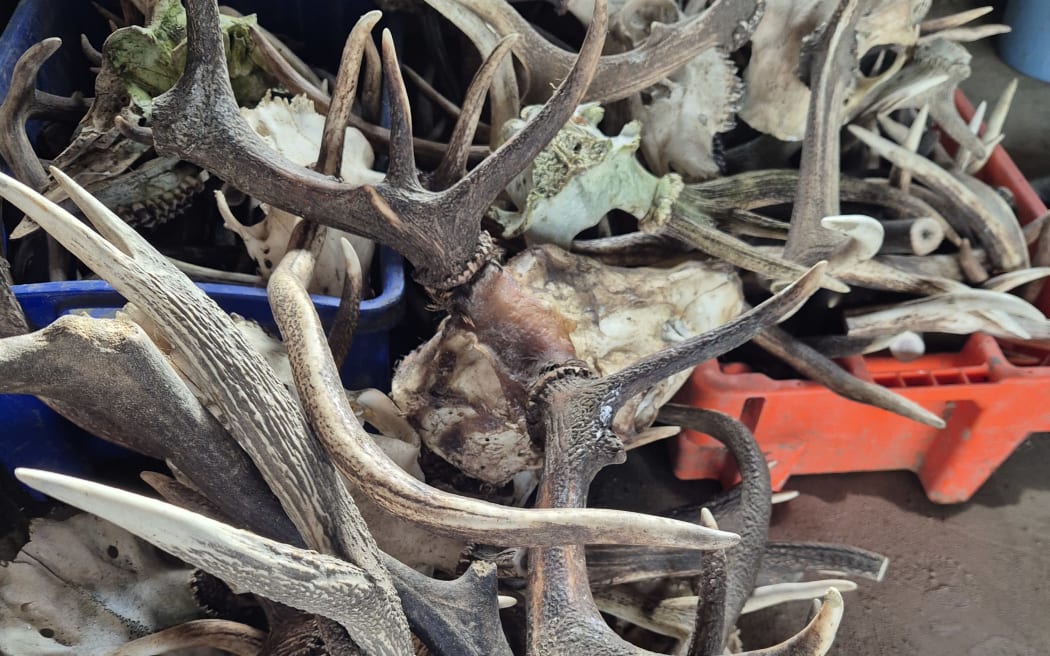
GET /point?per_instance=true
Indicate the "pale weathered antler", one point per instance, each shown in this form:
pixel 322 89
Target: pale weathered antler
pixel 451 617
pixel 437 231
pixel 307 580
pixel 404 496
pixel 99 372
pixel 986 215
pixel 255 406
pixel 727 24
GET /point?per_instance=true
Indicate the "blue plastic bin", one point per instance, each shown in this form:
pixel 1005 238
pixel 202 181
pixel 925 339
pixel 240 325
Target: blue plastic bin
pixel 1026 47
pixel 31 435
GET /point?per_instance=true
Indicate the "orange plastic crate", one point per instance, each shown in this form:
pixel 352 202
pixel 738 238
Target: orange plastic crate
pixel 990 403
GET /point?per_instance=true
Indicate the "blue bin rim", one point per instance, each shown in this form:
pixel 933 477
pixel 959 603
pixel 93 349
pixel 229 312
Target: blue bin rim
pixel 378 313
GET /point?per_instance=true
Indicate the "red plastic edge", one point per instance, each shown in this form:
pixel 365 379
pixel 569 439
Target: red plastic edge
pixel 802 428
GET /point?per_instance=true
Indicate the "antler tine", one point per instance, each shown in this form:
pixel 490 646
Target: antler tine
pixel 205 54
pixel 504 94
pixel 15 148
pixel 814 365
pixel 402 169
pixel 276 435
pixel 727 23
pixel 1002 238
pixel 372 94
pixel 399 493
pixel 454 164
pixel 439 233
pixel 617 388
pixel 307 580
pixel 345 323
pixel 819 177
pixel 233 637
pixel 953 20
pixel 816 638
pixel 477 190
pixel 709 622
pixel 745 559
pixel 342 103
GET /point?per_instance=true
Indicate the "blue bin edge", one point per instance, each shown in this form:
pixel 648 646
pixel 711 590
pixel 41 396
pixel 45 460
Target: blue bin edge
pixel 31 434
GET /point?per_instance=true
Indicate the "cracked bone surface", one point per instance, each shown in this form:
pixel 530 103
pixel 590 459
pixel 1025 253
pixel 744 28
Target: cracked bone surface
pixel 467 399
pixel 775 98
pixel 125 588
pixel 683 112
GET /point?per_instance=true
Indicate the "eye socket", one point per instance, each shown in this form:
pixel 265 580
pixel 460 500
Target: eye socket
pixel 877 60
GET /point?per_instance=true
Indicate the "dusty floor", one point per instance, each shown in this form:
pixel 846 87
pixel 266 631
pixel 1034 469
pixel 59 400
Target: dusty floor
pixel 970 579
pixel 964 580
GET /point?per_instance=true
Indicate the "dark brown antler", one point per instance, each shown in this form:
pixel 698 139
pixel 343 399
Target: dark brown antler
pixel 437 231
pixel 571 414
pixel 17 107
pixel 726 23
pixel 830 76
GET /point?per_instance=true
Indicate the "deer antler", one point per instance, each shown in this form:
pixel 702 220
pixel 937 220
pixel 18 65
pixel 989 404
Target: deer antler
pixel 726 23
pixel 404 496
pixel 99 372
pixel 571 412
pixel 439 232
pixel 259 412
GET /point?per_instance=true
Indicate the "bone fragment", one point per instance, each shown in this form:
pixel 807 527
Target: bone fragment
pixel 233 637
pixel 919 236
pixel 307 580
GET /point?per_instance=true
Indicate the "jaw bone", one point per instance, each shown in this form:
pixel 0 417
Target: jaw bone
pixel 268 423
pixel 307 580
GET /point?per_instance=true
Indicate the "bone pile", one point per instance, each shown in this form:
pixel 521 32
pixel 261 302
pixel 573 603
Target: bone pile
pixel 591 224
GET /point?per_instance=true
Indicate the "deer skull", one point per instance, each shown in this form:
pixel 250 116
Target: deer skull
pixel 775 99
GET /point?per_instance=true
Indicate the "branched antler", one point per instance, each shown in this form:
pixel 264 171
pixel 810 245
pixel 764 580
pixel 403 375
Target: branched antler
pixel 726 24
pixel 255 406
pixel 129 377
pixel 438 232
pixel 17 108
pixel 402 495
pixel 571 412
pixel 310 581
pixel 830 74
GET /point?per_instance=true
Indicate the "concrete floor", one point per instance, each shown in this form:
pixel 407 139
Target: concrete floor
pixel 970 579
